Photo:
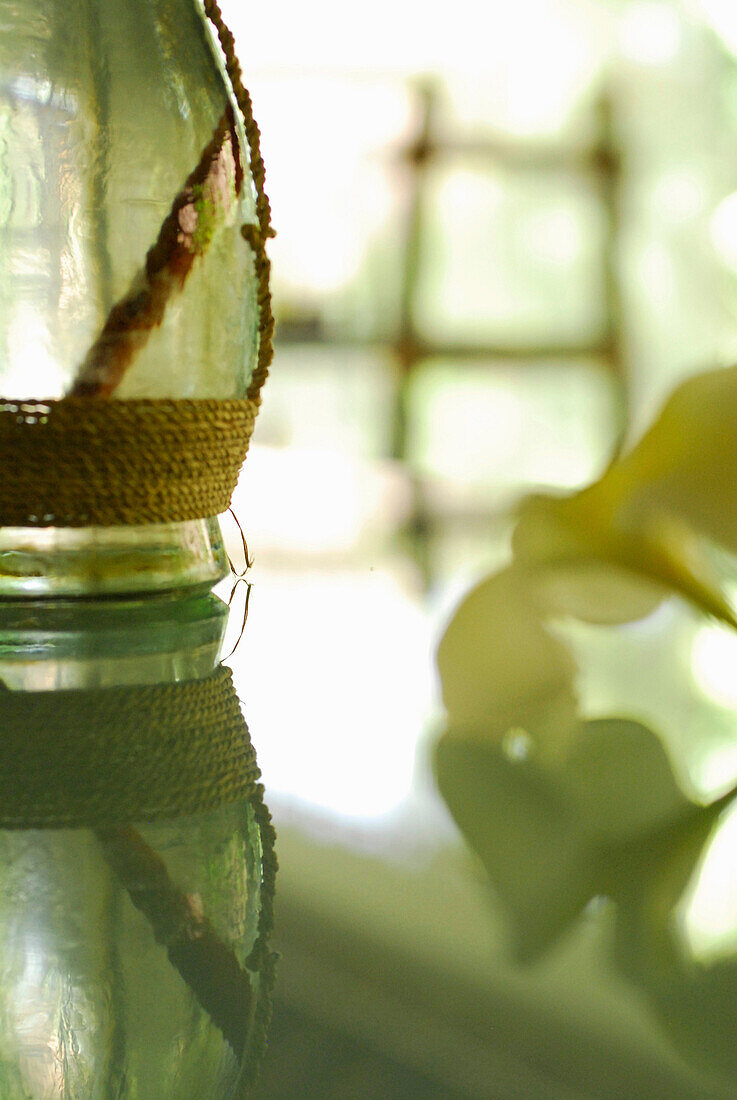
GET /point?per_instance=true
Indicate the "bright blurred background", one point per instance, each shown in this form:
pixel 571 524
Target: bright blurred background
pixel 505 231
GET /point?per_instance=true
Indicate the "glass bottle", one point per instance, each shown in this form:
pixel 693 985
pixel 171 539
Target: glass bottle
pixel 124 183
pixel 124 949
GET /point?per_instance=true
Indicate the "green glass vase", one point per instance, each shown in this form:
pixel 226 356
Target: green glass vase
pixel 124 184
pixel 133 961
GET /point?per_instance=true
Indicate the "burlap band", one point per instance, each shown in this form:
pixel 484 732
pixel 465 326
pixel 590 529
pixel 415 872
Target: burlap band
pixel 105 757
pixel 81 462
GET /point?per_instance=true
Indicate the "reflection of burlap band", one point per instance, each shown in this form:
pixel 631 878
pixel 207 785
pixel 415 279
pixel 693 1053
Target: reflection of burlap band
pixel 81 462
pixel 103 757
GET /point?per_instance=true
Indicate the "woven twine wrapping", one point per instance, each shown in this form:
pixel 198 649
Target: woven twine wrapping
pixel 122 754
pixel 85 462
pixel 91 461
pixel 104 758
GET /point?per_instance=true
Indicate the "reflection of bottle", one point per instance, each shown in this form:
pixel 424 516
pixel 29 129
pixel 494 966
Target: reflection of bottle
pixel 132 945
pixel 124 183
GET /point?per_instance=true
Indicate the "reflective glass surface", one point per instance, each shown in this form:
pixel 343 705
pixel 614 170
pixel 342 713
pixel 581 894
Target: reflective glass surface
pixel 129 964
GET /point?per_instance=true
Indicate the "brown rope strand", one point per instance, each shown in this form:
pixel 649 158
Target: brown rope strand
pixel 165 271
pixel 256 238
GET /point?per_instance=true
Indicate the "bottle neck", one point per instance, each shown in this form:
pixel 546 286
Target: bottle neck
pixel 110 561
pixel 72 644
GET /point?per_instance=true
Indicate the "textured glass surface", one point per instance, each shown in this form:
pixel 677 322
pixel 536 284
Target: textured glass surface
pixel 106 109
pixel 123 949
pixel 91 1004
